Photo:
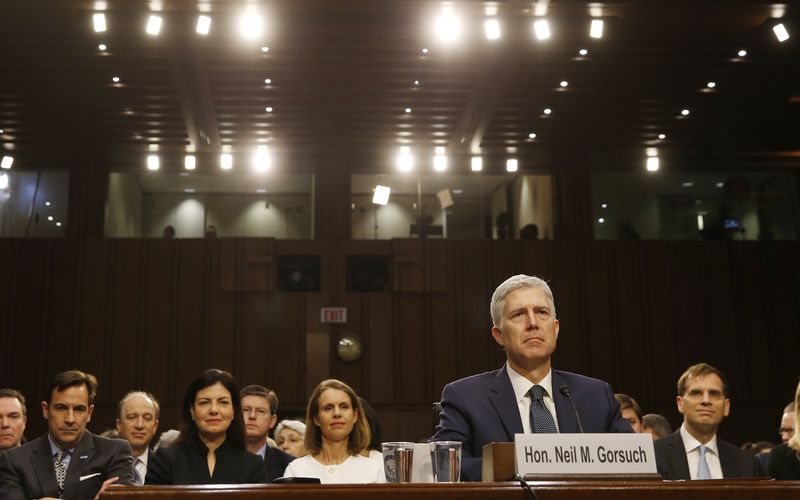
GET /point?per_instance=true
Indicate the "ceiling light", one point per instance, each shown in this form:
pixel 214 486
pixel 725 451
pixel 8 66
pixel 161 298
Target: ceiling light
pixel 226 161
pixel 251 26
pixel 448 26
pixel 189 162
pixel 532 135
pixel 1 131
pixel 720 184
pixel 547 111
pixel 261 159
pixel 700 223
pixel 3 181
pixel 47 203
pixel 439 159
pixel 780 32
pixel 687 184
pixel 685 112
pixel 511 165
pixel 652 151
pixel 7 162
pixel 381 196
pixel 58 224
pixel 153 25
pixel 492 29
pixel 711 85
pixel 564 83
pixel 102 47
pixel 405 162
pixel 268 109
pixel 424 50
pixel 416 83
pixel 261 190
pixel 604 205
pixel 742 53
pixel 542 29
pixel 596 31
pixel 601 220
pixel 203 25
pixel 476 164
pixel 99 21
pixel 115 79
pixel 652 164
pixel 662 136
pixel 583 52
pixel 264 49
pixel 188 190
pixel 268 81
pixel 152 162
pixel 408 110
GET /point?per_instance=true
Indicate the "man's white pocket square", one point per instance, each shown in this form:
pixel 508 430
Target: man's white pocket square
pixel 88 476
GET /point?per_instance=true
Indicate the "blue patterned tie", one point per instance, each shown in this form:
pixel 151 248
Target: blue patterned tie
pixel 703 472
pixel 60 468
pixel 541 419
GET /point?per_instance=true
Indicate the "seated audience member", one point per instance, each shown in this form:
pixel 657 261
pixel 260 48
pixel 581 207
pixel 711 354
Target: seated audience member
pixel 211 447
pixel 630 410
pixel 290 436
pixel 373 449
pixel 137 422
pixel 695 451
pixel 788 422
pixel 657 425
pixel 259 406
pixel 166 439
pixel 13 416
pixel 337 433
pixel 68 461
pixel 784 459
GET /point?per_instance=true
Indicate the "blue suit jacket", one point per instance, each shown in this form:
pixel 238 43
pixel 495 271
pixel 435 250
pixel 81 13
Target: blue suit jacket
pixel 483 409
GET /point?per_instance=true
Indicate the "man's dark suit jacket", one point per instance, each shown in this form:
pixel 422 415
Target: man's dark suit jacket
pixel 673 465
pixel 276 461
pixel 483 409
pixel 27 471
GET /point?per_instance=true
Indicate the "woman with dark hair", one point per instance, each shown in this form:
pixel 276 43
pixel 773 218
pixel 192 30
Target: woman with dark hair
pixel 337 431
pixel 210 448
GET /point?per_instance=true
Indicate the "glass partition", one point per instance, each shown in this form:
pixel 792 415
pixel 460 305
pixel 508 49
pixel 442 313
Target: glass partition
pixel 708 206
pixel 452 206
pixel 184 205
pixel 33 204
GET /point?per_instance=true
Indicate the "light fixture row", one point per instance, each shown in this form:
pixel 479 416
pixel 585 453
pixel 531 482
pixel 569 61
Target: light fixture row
pixel 405 161
pixel 261 161
pixel 448 27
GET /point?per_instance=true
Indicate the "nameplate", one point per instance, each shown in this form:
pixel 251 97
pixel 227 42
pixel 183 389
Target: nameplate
pixel 584 455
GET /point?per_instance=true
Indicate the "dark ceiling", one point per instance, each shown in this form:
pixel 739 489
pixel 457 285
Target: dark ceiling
pixel 343 73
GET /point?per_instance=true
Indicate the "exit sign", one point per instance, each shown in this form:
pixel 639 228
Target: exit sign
pixel 333 315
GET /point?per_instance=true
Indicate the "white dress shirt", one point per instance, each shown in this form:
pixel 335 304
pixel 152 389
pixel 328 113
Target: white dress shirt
pixel 692 447
pixel 141 465
pixel 521 387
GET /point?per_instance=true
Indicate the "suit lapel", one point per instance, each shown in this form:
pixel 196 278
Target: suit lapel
pixel 501 395
pixel 676 452
pixel 42 463
pixel 82 454
pixel 727 460
pixel 564 411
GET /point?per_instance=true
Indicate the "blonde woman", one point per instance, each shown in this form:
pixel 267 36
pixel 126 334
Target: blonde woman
pixel 784 459
pixel 336 432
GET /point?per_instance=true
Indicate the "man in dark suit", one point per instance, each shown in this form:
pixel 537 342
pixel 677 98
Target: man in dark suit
pixel 68 461
pixel 260 406
pixel 694 451
pixel 525 395
pixel 137 423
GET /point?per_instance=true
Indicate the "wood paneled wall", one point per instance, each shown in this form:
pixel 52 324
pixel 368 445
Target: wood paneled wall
pixel 151 314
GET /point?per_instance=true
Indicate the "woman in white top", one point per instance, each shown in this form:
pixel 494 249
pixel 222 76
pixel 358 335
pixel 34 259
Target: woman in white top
pixel 336 434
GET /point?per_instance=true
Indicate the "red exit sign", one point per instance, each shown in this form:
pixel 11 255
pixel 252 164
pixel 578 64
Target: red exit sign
pixel 333 315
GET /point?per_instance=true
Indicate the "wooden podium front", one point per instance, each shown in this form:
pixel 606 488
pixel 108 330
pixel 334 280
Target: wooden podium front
pixel 498 462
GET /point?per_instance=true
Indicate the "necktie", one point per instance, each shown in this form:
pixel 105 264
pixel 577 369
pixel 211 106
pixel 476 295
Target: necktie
pixel 138 477
pixel 541 419
pixel 60 468
pixel 703 472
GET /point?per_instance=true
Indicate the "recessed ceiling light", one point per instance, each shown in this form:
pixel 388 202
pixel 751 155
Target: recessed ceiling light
pixel 448 25
pixel 50 217
pixel 662 136
pixel 152 162
pixel 564 83
pixel 1 131
pixel 547 111
pixel 408 110
pixel 492 29
pixel 542 29
pixel 476 164
pixel 153 25
pixel 405 161
pixel 99 22
pixel 652 164
pixel 203 25
pixel 596 30
pixel 268 81
pixel 188 190
pixel 251 25
pixel 102 47
pixel 115 79
pixel 6 162
pixel 711 85
pixel 532 136
pixel 261 159
pixel 226 161
pixel 742 53
pixel 58 224
pixel 601 220
pixel 512 165
pixel 685 112
pixel 268 109
pixel 780 32
pixel 264 49
pixel 381 196
pixel 47 203
pixel 416 82
pixel 189 162
pixel 687 184
pixel 261 190
pixel 583 52
pixel 720 184
pixel 424 50
pixel 604 205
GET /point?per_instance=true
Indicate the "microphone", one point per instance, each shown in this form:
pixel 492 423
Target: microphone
pixel 564 389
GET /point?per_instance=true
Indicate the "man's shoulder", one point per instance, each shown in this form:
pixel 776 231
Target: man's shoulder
pixel 477 380
pixel 733 449
pixel 668 440
pixel 26 449
pixel 107 444
pixel 576 380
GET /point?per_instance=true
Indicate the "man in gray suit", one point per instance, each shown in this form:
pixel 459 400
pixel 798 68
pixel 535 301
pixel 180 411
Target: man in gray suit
pixel 68 461
pixel 694 451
